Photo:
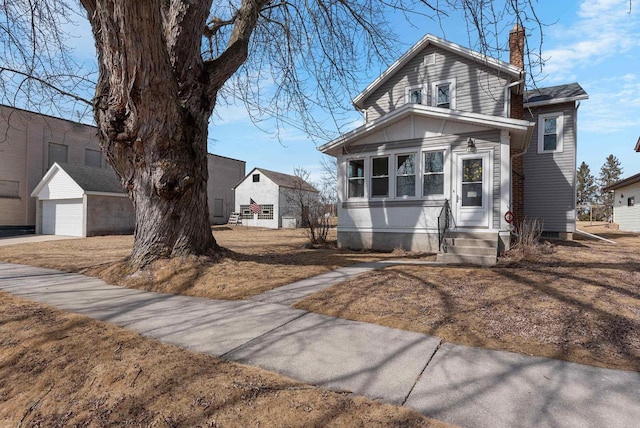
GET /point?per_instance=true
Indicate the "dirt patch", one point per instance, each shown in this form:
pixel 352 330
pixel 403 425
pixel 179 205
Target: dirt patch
pixel 579 302
pixel 258 260
pixel 59 369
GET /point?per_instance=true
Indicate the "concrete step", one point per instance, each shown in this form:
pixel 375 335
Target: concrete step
pixel 475 234
pixel 471 250
pixel 450 258
pixel 471 242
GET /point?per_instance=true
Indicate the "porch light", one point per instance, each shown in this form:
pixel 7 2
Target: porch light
pixel 471 146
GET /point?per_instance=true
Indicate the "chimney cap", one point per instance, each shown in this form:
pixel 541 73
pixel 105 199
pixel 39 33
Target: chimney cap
pixel 517 29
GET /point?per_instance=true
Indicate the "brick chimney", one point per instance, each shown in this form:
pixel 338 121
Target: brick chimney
pixel 516 58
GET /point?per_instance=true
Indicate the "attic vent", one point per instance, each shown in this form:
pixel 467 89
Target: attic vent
pixel 430 59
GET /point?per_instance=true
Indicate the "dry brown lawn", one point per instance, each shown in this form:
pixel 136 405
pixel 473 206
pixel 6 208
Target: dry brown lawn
pixel 258 260
pixel 59 370
pixel 579 303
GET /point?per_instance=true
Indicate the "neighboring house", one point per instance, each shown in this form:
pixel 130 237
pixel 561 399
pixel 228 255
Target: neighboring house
pixel 30 143
pixel 446 144
pixel 82 201
pixel 626 203
pixel 264 197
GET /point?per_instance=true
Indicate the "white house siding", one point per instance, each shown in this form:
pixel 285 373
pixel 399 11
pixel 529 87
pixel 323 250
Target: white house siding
pixel 550 184
pixel 24 157
pixel 412 223
pixel 264 192
pixel 628 218
pixel 479 89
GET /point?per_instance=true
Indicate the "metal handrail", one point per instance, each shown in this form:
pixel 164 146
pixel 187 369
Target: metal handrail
pixel 445 220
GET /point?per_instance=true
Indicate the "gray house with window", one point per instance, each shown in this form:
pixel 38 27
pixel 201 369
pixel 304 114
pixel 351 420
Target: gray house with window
pixel 452 150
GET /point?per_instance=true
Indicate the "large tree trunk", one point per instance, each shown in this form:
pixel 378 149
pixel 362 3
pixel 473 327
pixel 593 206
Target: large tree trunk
pixel 152 108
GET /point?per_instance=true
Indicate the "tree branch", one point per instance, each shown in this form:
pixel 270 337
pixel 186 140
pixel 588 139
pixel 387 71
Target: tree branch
pixel 47 84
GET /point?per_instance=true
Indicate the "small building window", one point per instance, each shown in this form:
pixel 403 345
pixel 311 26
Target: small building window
pixel 245 212
pixel 266 213
pixel 93 158
pixel 433 175
pixel 57 153
pixel 414 94
pixel 550 133
pixel 444 94
pixel 217 207
pixel 406 175
pixel 631 201
pixel 380 177
pixel 356 178
pixel 256 178
pixel 9 189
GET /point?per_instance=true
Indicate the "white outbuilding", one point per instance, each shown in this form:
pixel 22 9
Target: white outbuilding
pixel 626 203
pixel 83 201
pixel 264 198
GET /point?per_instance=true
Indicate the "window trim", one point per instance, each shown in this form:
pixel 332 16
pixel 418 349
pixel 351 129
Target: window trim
pixel 559 116
pixel 396 175
pixel 363 178
pixel 452 92
pixel 445 172
pixel 388 177
pixel 409 89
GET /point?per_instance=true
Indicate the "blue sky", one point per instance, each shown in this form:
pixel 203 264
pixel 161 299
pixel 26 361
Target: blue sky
pixel 593 42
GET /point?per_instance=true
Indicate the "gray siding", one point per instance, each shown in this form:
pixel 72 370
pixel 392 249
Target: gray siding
pixel 550 187
pixel 108 215
pixel 479 89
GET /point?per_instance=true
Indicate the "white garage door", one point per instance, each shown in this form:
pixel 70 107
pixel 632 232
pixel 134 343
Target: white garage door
pixel 62 217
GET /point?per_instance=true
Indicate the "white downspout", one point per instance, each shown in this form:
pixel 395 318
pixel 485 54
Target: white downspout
pixel 506 110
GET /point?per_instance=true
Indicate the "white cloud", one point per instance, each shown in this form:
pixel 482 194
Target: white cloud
pixel 604 28
pixel 611 107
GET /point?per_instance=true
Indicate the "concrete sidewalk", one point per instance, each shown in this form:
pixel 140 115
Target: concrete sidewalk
pixel 461 385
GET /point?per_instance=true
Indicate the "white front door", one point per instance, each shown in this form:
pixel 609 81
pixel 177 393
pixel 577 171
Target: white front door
pixel 472 198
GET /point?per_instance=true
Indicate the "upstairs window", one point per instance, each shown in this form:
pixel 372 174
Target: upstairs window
pixel 93 158
pixel 380 177
pixel 57 153
pixel 406 175
pixel 256 178
pixel 414 94
pixel 356 178
pixel 444 94
pixel 550 133
pixel 433 174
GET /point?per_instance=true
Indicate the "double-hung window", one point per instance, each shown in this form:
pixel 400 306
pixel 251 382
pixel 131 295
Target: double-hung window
pixel 380 177
pixel 356 178
pixel 443 94
pixel 415 95
pixel 550 133
pixel 406 175
pixel 433 174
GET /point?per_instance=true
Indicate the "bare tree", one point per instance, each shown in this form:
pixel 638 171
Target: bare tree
pixel 311 206
pixel 164 64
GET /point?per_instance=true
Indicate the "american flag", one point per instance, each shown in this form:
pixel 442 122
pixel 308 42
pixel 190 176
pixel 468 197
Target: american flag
pixel 254 208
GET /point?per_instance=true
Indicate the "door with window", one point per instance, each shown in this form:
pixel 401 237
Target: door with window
pixel 472 198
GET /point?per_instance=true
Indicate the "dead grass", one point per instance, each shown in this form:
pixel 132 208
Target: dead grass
pixel 60 369
pixel 579 302
pixel 259 260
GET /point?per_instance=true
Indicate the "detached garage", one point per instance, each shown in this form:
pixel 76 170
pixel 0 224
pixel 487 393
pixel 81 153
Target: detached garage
pixel 82 201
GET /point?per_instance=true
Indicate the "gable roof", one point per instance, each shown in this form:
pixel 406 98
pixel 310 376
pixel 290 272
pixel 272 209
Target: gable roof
pixel 554 95
pixel 521 130
pixel 90 179
pixel 283 180
pixel 637 149
pixel 430 39
pixel 623 183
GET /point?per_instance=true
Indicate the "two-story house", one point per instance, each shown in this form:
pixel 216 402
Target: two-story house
pixel 452 140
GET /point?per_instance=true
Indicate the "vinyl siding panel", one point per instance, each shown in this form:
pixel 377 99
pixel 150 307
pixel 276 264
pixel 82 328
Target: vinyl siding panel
pixel 550 186
pixel 627 217
pixel 478 88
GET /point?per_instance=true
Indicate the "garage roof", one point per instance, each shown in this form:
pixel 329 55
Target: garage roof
pixel 89 179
